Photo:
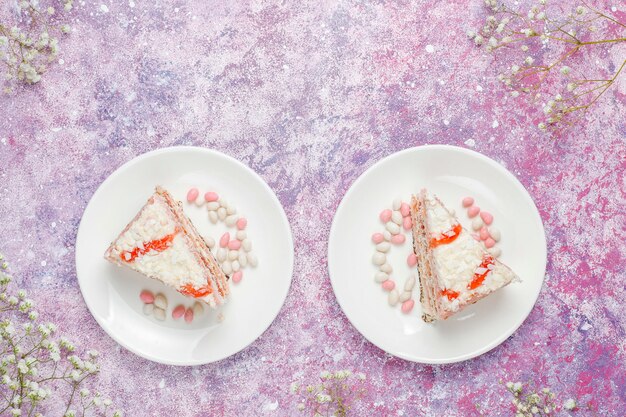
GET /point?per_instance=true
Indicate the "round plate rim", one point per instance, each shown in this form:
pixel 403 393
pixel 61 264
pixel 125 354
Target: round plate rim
pixel 505 335
pixel 212 152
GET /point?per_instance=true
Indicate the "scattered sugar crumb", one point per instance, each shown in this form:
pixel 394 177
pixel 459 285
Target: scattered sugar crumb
pixel 104 8
pixel 446 122
pixel 162 383
pixel 479 88
pixel 495 124
pixel 470 142
pixel 430 49
pixel 586 326
pixel 613 8
pixel 43 263
pixel 61 61
pixel 131 3
pixel 220 317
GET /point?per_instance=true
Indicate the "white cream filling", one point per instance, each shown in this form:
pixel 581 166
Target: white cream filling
pixel 457 262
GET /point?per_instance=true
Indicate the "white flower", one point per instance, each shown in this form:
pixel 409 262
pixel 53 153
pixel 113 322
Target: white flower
pixel 580 10
pixel 16 412
pixel 21 294
pixel 514 93
pixel 13 300
pixel 107 402
pixel 33 315
pixel 325 374
pixel 517 387
pixel 515 69
pixel 524 48
pixel 558 97
pixel 565 70
pixel 75 375
pixel 541 16
pixel 50 10
pixel 478 40
pixel 361 376
pixel 571 87
pixel 93 353
pixel 322 398
pixel 300 406
pixel 84 392
pixel 569 404
pixel 493 42
pixel 293 388
pixel 470 34
pixel 117 414
pixel 529 60
pixel 70 413
pixel 22 367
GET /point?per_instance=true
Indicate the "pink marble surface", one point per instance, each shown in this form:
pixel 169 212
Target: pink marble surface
pixel 310 94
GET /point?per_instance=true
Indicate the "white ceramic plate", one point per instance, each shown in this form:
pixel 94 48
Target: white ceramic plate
pixel 112 293
pixel 451 173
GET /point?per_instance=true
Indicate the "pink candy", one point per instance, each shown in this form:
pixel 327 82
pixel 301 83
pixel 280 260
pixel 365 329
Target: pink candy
pixel 385 215
pixel 473 211
pixel 489 243
pixel 189 315
pixel 211 196
pixel 178 312
pixel 242 223
pixel 234 244
pixel 487 217
pixel 484 233
pixel 411 260
pixel 407 223
pixel 378 238
pixel 237 277
pixel 407 306
pixel 468 201
pixel 147 297
pixel 405 210
pixel 224 240
pixel 192 194
pixel 389 285
pixel 398 239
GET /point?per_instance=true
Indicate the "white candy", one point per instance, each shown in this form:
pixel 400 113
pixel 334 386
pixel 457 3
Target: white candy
pixel 386 268
pixel 406 295
pixel 410 283
pixel 231 210
pixel 212 206
pixel 495 251
pixel 160 301
pixel 236 266
pixel 396 217
pixel 148 309
pixel 381 277
pixel 393 228
pixel 252 259
pixel 495 233
pixel 379 258
pixel 233 254
pixel 198 308
pixel 223 203
pixel 231 220
pixel 210 242
pixel 159 314
pixel 477 223
pixel 213 217
pixel 221 255
pixel 387 235
pixel 221 213
pixel 396 204
pixel 392 298
pixel 243 259
pixel 200 201
pixel 227 267
pixel 241 234
pixel 383 247
pixel 246 244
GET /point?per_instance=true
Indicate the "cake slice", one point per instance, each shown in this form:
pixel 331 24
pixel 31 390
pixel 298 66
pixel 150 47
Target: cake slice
pixel 455 270
pixel 161 243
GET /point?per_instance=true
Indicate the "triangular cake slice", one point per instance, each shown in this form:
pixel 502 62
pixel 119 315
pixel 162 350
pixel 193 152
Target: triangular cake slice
pixel 162 243
pixel 455 270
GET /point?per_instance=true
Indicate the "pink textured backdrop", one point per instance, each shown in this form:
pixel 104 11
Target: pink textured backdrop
pixel 310 94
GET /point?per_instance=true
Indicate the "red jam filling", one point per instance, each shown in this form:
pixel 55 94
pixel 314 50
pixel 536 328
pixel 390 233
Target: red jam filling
pixel 190 290
pixel 450 294
pixel 479 278
pixel 158 245
pixel 447 237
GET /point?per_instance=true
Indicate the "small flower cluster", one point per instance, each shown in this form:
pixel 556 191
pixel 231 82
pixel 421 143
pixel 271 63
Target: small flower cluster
pixel 36 366
pixel 333 396
pixel 29 45
pixel 532 404
pixel 540 46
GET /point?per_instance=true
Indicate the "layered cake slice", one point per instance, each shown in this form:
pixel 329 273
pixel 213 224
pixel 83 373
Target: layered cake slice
pixel 162 243
pixel 455 270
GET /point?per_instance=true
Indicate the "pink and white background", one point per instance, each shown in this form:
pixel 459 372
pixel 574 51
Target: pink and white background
pixel 309 94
